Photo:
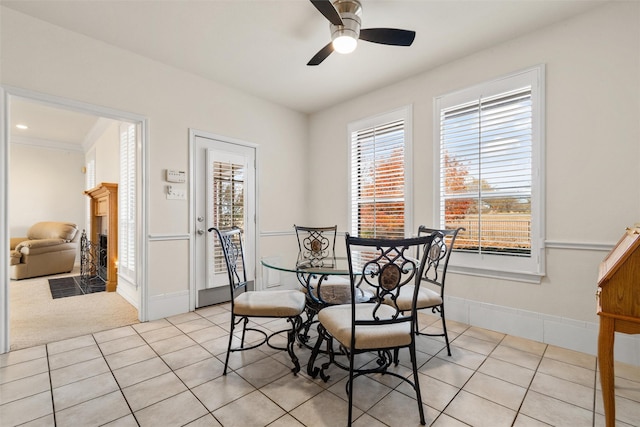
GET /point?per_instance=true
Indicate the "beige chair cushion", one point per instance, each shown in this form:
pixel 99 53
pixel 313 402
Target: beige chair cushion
pixel 337 321
pixel 52 230
pixel 426 298
pixel 269 303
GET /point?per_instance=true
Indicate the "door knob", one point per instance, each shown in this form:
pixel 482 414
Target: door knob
pixel 200 232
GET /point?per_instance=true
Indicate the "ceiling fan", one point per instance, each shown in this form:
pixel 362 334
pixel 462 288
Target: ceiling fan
pixel 344 16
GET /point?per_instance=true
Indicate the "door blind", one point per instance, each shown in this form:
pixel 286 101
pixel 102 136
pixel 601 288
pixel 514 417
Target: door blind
pixel 228 203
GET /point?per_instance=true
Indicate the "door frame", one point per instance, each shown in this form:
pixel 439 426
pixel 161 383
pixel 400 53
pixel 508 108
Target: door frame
pixel 6 92
pixel 193 134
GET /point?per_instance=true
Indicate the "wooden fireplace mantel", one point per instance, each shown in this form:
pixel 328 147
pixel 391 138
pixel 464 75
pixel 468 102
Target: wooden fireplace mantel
pixel 104 220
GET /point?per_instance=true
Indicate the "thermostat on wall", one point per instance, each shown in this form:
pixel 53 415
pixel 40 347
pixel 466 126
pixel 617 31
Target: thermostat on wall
pixel 176 176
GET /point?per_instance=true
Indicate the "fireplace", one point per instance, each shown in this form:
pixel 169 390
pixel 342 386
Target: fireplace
pixel 104 231
pixel 102 257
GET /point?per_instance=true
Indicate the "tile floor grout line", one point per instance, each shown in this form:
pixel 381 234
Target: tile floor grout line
pixel 535 372
pixel 465 383
pixel 53 403
pixel 232 370
pixel 116 379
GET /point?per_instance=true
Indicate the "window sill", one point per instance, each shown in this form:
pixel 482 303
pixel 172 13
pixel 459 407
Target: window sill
pixel 516 276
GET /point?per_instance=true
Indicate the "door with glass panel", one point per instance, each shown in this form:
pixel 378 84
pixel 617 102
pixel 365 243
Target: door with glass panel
pixel 224 198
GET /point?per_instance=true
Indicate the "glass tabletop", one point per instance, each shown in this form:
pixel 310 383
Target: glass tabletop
pixel 328 266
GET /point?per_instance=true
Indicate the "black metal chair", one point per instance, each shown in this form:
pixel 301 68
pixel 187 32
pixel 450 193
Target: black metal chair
pixel 435 273
pixel 246 304
pixel 317 248
pixel 387 266
pixel 316 244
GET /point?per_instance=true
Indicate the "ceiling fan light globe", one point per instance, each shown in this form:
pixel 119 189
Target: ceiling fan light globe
pixel 344 44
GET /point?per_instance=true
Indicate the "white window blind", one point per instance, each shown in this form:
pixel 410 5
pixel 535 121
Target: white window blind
pixel 489 162
pixel 378 180
pixel 486 154
pixel 127 202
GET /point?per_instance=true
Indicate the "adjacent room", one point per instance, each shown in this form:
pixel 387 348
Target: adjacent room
pixel 498 140
pixel 64 153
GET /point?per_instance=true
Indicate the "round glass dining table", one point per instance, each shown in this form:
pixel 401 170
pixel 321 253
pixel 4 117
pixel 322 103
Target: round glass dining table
pixel 312 274
pixel 324 266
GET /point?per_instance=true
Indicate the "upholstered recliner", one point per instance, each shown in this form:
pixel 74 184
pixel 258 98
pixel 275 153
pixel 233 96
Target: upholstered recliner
pixel 49 248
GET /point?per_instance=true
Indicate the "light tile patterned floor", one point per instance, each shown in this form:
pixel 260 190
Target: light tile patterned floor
pixel 169 373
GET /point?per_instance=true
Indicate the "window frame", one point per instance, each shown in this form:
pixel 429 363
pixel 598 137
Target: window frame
pixel 525 269
pixel 405 114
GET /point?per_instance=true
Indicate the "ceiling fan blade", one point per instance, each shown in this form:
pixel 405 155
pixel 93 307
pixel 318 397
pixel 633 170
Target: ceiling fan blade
pixel 391 36
pixel 326 8
pixel 321 55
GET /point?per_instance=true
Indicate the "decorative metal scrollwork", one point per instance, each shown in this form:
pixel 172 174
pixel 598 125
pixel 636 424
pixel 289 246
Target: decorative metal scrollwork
pixel 90 255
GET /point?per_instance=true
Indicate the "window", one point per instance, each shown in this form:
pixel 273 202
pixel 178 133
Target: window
pixel 489 154
pixel 380 176
pixel 127 202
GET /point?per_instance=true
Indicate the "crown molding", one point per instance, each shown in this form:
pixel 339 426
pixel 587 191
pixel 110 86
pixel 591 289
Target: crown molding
pixel 45 143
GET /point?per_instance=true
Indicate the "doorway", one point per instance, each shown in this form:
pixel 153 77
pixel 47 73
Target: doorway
pixel 223 196
pixel 135 292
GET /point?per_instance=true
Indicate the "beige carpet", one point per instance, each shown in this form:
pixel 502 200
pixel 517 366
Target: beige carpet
pixel 35 318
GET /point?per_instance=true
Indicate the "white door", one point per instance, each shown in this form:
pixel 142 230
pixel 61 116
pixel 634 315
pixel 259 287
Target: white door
pixel 224 197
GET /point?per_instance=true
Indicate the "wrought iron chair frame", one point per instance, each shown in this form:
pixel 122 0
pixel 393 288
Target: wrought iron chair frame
pixel 438 256
pixel 386 281
pixel 234 258
pixel 315 245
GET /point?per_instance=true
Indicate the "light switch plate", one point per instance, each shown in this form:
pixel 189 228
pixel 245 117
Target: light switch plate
pixel 175 193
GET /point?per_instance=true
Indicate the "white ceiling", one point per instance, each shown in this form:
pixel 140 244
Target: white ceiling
pixel 262 46
pixel 48 124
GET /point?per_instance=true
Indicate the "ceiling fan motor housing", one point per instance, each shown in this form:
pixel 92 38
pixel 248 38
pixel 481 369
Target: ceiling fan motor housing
pixel 350 11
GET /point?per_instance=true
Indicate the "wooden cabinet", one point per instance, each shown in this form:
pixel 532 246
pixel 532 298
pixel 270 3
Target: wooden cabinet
pixel 104 222
pixel 618 307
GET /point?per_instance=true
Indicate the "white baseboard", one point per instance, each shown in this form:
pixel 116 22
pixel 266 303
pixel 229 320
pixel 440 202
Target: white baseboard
pixel 129 293
pixel 562 332
pixel 166 305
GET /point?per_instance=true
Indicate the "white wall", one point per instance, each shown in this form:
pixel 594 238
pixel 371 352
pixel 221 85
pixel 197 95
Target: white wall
pixel 44 58
pixel 45 184
pixel 107 154
pixel 592 151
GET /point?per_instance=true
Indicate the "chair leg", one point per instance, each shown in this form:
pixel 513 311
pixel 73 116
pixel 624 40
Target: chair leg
pixel 416 380
pixel 226 360
pixel 444 328
pixel 303 336
pixel 439 309
pixel 350 386
pixel 244 330
pixel 312 371
pixel 296 323
pixel 322 332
